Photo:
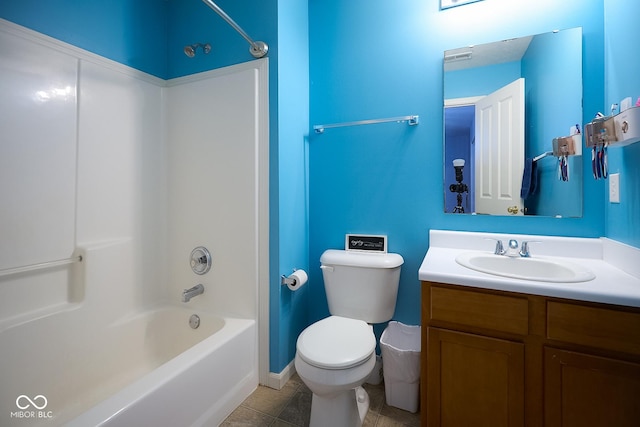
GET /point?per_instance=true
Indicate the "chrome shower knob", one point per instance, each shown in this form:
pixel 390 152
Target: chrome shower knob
pixel 200 260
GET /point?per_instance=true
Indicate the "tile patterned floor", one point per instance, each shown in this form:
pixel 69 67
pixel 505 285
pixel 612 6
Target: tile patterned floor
pixel 291 406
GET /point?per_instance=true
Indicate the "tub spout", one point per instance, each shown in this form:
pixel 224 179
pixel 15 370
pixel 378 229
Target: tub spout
pixel 187 294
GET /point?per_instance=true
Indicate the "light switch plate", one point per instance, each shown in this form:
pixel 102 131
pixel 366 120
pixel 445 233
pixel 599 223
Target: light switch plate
pixel 614 188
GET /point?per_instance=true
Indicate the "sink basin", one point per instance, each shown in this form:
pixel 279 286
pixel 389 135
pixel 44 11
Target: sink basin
pixel 538 269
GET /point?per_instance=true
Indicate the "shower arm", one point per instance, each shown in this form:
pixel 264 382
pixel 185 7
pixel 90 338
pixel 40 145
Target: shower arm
pixel 258 49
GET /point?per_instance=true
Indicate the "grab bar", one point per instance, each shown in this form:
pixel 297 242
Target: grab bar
pixel 40 266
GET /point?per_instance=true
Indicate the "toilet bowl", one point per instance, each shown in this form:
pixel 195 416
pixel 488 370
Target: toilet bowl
pixel 334 358
pixel 336 355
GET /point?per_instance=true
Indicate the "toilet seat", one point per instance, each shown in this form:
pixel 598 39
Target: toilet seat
pixel 336 343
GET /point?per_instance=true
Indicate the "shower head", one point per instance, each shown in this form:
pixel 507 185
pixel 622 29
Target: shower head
pixel 190 50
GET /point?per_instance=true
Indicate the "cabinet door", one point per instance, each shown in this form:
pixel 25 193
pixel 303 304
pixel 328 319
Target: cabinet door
pixel 582 390
pixel 474 380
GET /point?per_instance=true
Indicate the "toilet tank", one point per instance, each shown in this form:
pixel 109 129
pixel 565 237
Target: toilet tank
pixel 361 285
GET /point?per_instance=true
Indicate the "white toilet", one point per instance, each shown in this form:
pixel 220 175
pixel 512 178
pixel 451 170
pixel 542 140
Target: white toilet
pixel 336 355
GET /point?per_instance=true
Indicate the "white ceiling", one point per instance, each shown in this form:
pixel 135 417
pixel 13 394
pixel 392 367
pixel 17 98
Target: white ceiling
pixel 488 54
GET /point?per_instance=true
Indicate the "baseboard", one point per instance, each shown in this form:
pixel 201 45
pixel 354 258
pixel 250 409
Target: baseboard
pixel 278 380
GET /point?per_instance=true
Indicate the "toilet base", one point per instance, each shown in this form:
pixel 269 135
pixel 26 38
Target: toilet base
pixel 346 409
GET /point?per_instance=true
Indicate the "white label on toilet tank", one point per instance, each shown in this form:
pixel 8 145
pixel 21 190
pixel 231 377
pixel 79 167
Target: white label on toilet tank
pixel 366 242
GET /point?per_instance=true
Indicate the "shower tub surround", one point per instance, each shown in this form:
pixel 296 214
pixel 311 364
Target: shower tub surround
pixel 145 368
pixel 108 177
pixel 148 368
pixel 190 385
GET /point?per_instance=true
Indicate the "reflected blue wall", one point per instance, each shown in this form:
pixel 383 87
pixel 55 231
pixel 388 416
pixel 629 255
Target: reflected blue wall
pixel 552 70
pixel 480 81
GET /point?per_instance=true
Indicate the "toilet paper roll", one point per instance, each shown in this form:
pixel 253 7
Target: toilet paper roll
pixel 300 277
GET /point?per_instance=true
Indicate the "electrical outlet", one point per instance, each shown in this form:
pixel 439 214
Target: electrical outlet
pixel 614 188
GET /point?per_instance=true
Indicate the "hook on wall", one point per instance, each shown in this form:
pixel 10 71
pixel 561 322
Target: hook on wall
pixel 190 50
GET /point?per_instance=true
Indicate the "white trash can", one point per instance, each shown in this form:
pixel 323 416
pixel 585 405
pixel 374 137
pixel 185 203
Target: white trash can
pixel 400 346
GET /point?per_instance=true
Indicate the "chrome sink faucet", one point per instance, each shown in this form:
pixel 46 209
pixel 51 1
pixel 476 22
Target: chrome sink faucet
pixel 524 249
pixel 512 249
pixel 187 294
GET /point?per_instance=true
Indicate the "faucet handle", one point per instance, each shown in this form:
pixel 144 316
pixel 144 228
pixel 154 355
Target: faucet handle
pixel 524 249
pixel 499 250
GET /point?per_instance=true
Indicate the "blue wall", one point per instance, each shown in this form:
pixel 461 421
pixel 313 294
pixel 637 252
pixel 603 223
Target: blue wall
pixel 622 80
pixel 288 309
pixel 377 59
pixel 193 21
pixel 367 59
pixel 130 32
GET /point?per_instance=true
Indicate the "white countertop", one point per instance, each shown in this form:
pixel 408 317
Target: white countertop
pixel 615 265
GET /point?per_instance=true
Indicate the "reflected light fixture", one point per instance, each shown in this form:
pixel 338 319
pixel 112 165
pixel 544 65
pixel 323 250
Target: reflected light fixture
pixel 458 56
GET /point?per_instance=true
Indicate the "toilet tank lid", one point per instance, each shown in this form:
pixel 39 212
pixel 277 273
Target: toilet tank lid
pixel 361 259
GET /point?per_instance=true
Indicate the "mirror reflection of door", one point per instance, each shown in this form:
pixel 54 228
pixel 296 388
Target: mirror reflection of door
pixel 488 133
pixel 499 151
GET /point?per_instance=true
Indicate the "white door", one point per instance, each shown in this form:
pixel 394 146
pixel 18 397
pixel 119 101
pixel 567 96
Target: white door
pixel 499 151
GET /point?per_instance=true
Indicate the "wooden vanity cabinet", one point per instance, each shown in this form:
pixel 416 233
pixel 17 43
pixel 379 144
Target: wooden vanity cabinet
pixel 493 358
pixel 477 381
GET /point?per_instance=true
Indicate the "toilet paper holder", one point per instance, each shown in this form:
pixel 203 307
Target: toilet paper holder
pixel 288 280
pixel 295 280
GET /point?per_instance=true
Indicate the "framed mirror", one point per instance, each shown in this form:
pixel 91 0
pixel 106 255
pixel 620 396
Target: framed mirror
pixel 504 104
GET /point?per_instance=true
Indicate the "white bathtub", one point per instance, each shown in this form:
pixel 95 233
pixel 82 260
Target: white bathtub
pixel 147 369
